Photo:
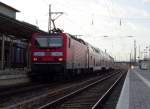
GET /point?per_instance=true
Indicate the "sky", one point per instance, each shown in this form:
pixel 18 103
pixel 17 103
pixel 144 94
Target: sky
pixel 94 19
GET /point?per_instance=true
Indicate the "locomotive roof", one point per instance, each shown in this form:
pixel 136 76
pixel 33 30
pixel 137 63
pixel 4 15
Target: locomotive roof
pixel 78 39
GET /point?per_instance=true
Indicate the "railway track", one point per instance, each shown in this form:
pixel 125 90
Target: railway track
pixel 15 94
pixel 111 100
pixel 15 89
pixel 91 96
pixel 52 94
pixel 7 91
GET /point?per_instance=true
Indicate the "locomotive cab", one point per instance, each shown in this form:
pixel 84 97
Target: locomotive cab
pixel 47 53
pixel 48 49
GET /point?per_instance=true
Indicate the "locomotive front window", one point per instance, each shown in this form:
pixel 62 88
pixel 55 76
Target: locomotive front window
pixel 54 42
pixel 48 42
pixel 41 42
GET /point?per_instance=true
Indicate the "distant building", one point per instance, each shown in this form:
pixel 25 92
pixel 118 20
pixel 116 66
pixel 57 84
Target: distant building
pixel 8 10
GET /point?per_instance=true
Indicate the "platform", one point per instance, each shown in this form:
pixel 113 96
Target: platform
pixel 136 90
pixel 13 76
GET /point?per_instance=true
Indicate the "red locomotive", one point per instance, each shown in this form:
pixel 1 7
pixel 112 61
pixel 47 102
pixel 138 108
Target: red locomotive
pixel 63 55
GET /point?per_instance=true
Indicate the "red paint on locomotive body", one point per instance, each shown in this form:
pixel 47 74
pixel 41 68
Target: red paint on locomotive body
pixel 53 53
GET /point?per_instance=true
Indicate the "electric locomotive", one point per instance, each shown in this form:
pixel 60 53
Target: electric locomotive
pixel 63 55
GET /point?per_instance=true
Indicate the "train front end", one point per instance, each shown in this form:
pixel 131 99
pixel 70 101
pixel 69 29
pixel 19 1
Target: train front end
pixel 48 54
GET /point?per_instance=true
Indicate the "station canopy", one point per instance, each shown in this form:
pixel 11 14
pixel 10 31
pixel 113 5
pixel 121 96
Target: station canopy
pixel 17 28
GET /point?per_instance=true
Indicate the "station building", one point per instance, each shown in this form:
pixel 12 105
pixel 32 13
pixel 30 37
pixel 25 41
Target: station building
pixel 15 38
pixel 8 11
pixel 13 43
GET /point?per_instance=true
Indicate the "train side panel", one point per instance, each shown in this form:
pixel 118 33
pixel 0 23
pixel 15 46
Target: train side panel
pixel 76 54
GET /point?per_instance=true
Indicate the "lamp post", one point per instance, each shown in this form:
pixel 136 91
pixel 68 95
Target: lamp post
pixel 146 52
pixel 130 60
pixel 135 49
pixel 149 52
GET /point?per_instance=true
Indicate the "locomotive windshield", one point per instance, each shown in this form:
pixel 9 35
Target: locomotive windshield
pixel 44 42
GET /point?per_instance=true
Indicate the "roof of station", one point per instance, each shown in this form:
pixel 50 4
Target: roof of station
pixel 9 7
pixel 17 28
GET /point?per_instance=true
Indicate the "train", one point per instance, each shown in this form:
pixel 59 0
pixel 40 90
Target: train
pixel 63 55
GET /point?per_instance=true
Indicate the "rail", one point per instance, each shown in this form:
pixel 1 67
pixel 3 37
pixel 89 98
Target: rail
pixel 64 98
pixel 105 95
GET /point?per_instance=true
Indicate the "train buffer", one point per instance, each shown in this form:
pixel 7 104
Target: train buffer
pixel 136 90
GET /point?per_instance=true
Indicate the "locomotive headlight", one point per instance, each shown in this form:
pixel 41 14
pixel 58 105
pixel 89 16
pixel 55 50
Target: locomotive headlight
pixel 56 53
pixel 60 59
pixel 35 59
pixel 39 53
